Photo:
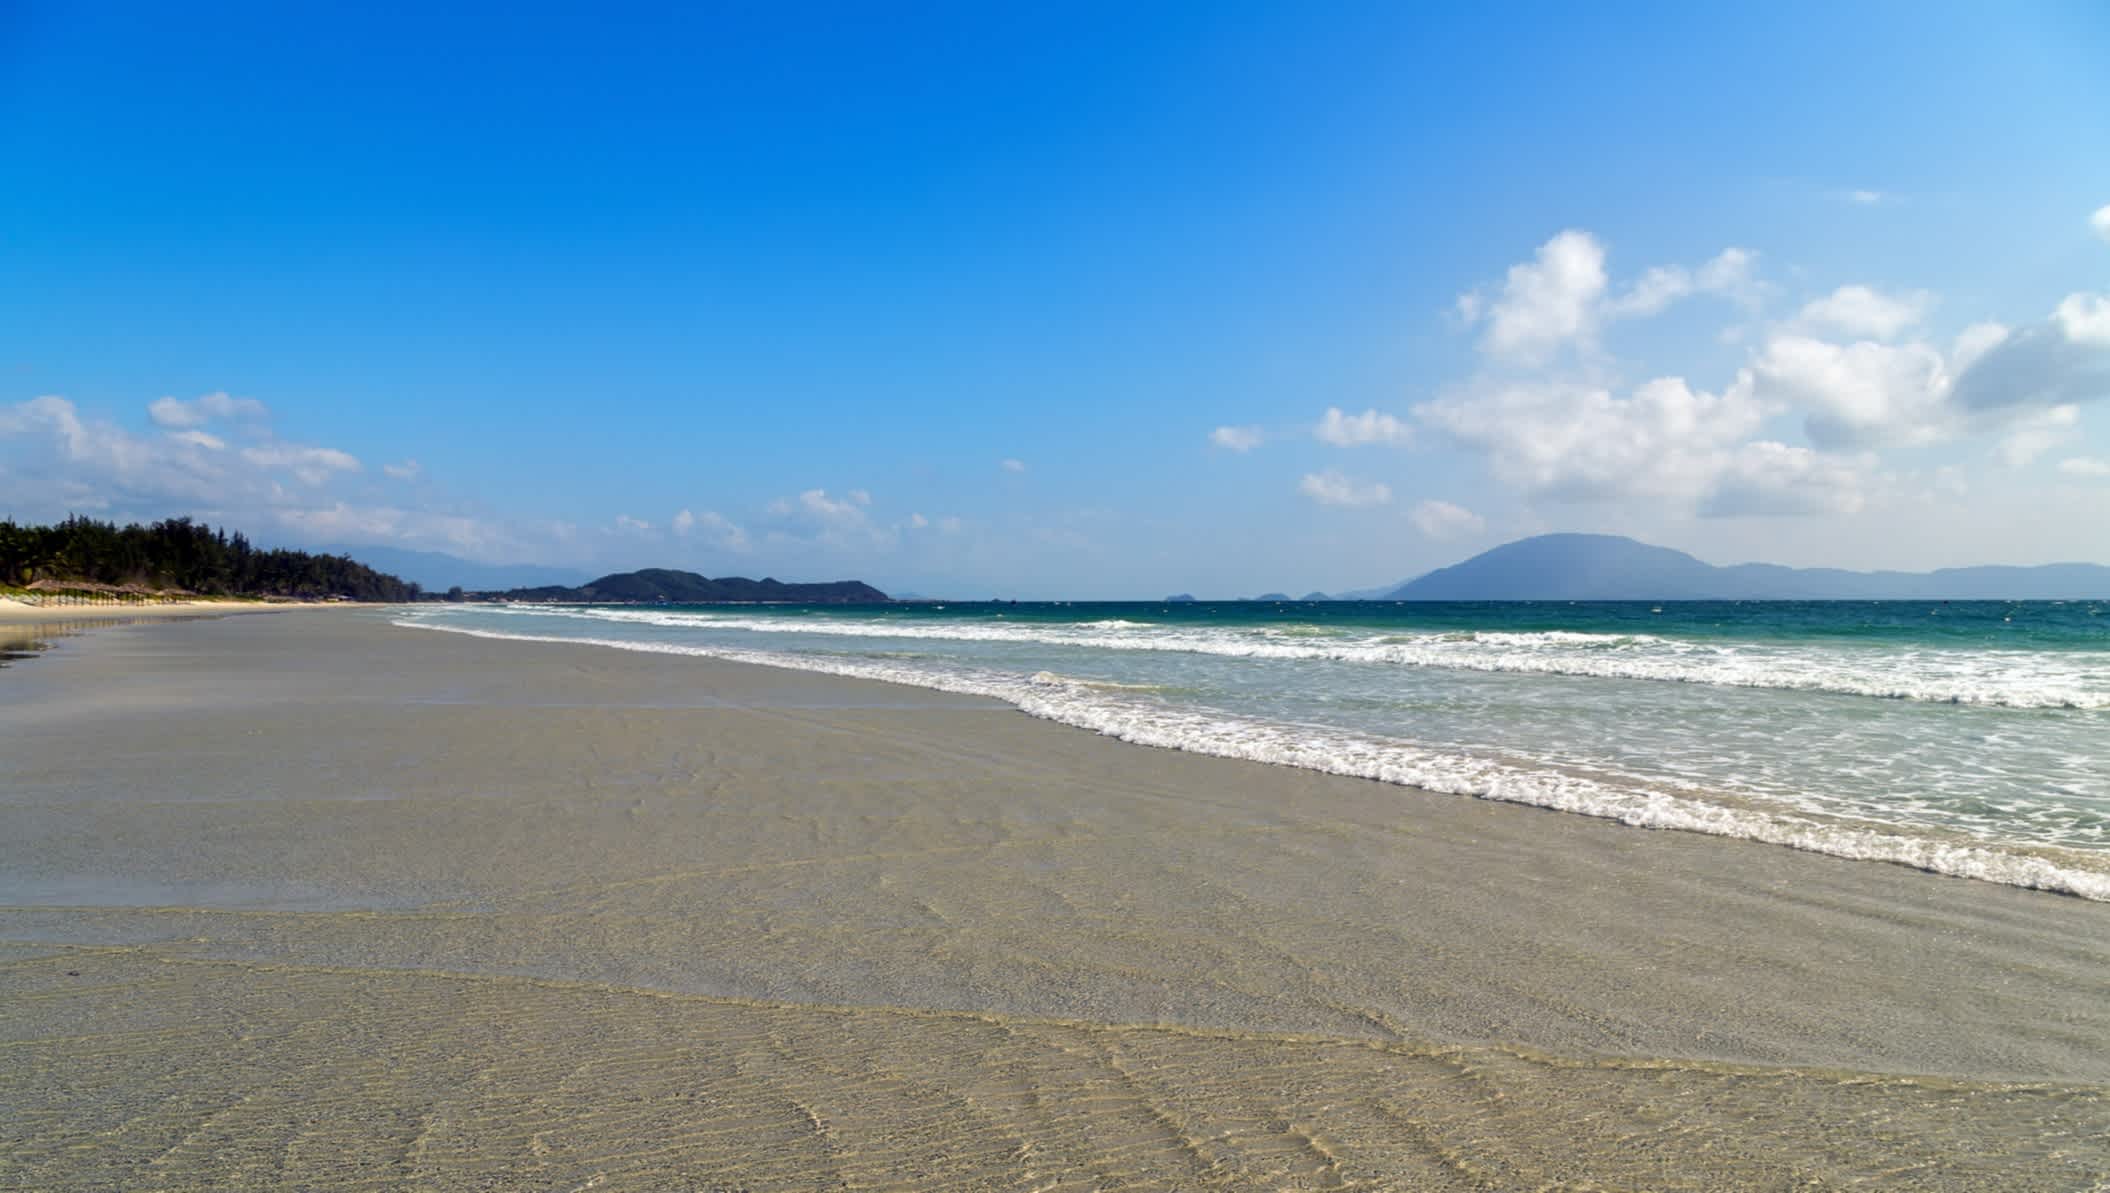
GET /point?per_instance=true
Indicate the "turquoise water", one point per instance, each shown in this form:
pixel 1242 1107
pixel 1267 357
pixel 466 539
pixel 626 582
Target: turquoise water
pixel 1970 738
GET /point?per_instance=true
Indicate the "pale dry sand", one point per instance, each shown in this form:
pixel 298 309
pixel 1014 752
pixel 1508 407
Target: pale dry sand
pixel 314 902
pixel 17 613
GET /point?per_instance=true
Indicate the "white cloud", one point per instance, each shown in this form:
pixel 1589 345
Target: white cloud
pixel 1355 430
pixel 950 525
pixel 1237 439
pixel 2100 221
pixel 1562 297
pixel 815 517
pixel 711 526
pixel 2046 364
pixel 1664 443
pixel 1856 394
pixel 174 412
pixel 1546 302
pixel 629 525
pixel 1013 465
pixel 2085 465
pixel 343 522
pixel 1866 198
pixel 2036 434
pixel 1973 342
pixel 310 465
pixel 2084 319
pixel 1865 311
pixel 816 504
pixel 1332 488
pixel 860 496
pixel 53 458
pixel 1770 478
pixel 917 522
pixel 408 470
pixel 1441 520
pixel 1729 274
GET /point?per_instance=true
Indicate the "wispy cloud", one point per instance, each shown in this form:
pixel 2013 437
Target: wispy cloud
pixel 1442 520
pixel 1236 439
pixel 175 412
pixel 1333 488
pixel 1356 430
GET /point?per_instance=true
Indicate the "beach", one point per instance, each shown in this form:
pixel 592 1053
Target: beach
pixel 319 901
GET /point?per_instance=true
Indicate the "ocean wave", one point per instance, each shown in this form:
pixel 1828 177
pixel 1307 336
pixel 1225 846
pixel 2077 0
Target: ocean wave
pixel 1995 678
pixel 1306 747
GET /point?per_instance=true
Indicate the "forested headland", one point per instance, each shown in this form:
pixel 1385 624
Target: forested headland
pixel 177 556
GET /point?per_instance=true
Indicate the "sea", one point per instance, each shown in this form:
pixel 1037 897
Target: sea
pixel 1967 738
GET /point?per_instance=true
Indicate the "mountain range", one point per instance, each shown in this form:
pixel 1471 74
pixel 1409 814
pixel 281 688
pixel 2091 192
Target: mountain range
pixel 1603 567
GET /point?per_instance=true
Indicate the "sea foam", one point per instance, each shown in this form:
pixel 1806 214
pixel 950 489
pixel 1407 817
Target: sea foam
pixel 1152 723
pixel 1998 678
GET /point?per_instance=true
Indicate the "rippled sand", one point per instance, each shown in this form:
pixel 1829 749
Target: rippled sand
pixel 308 901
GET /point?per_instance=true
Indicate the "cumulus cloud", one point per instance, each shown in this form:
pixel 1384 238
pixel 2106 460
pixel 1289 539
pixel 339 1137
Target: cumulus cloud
pixel 1013 466
pixel 1865 311
pixel 1236 439
pixel 1547 301
pixel 1856 394
pixel 2100 221
pixel 1356 430
pixel 1866 198
pixel 2084 465
pixel 1332 488
pixel 408 470
pixel 2048 364
pixel 815 516
pixel 1664 442
pixel 626 524
pixel 1563 297
pixel 174 412
pixel 711 527
pixel 1441 520
pixel 2084 319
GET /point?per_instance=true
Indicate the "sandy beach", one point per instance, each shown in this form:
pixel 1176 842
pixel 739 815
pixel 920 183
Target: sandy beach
pixel 313 901
pixel 18 613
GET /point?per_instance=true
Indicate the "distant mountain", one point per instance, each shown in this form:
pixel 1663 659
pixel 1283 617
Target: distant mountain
pixel 1272 596
pixel 438 572
pixel 1603 567
pixel 1315 596
pixel 1180 598
pixel 659 584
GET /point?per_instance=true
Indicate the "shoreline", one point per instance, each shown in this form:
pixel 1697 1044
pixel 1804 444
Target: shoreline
pixel 707 893
pixel 14 612
pixel 1948 855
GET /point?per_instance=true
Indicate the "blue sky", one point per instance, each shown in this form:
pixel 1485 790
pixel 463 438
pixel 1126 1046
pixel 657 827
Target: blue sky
pixel 980 299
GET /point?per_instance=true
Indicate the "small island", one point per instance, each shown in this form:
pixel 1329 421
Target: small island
pixel 653 586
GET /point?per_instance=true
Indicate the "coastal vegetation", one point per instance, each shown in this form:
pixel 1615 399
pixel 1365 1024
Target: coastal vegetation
pixel 177 556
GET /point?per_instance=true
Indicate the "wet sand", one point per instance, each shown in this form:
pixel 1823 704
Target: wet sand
pixel 312 901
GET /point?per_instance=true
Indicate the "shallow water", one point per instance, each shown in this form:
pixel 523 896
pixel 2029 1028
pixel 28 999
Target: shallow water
pixel 1969 738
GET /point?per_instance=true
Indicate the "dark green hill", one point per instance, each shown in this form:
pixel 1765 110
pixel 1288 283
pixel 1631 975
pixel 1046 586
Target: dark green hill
pixel 656 585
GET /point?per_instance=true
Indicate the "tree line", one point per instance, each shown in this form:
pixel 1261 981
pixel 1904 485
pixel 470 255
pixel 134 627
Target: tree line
pixel 179 554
